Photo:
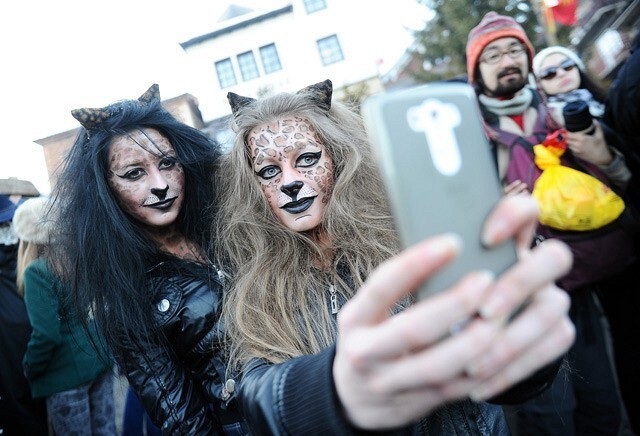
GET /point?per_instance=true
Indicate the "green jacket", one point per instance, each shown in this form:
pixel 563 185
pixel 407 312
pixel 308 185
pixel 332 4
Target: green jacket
pixel 60 355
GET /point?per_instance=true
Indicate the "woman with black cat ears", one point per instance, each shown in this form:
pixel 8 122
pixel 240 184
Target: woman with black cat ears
pixel 304 224
pixel 133 197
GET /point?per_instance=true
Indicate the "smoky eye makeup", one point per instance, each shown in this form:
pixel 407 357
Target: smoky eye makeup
pixel 268 172
pixel 167 162
pixel 308 159
pixel 133 174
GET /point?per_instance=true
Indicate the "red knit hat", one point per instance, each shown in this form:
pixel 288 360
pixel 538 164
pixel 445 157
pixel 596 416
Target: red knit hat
pixel 493 26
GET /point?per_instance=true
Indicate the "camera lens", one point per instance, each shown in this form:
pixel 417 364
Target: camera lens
pixel 577 116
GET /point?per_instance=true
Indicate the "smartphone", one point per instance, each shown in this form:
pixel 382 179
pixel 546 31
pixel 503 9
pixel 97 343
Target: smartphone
pixel 439 171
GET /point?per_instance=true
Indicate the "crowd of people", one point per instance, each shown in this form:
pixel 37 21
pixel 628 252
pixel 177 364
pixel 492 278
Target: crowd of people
pixel 584 398
pixel 263 290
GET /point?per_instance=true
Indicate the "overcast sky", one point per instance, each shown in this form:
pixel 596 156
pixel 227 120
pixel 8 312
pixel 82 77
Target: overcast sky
pixel 62 55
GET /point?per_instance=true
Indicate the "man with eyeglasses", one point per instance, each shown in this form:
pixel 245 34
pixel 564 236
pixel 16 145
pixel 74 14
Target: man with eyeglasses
pixel 499 56
pixel 583 399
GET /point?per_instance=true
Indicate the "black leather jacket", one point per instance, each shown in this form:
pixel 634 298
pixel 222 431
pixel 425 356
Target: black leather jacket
pixel 178 373
pixel 298 397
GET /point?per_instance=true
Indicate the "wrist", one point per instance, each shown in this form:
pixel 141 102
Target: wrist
pixel 606 158
pixel 616 169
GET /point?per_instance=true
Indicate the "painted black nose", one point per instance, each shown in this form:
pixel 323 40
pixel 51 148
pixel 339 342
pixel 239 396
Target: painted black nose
pixel 292 188
pixel 160 193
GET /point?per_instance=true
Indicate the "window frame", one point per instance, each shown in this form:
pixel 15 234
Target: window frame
pixel 225 75
pixel 332 60
pixel 253 64
pixel 266 66
pixel 312 6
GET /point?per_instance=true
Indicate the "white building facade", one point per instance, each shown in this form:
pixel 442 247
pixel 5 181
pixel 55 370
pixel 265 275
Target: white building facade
pixel 293 44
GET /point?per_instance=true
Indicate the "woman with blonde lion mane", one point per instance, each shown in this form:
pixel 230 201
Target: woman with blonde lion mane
pixel 315 309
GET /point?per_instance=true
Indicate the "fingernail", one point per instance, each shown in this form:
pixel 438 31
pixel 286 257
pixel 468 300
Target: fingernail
pixel 446 245
pixel 491 234
pixel 491 310
pixel 485 277
pixel 479 393
pixel 477 367
pixel 495 309
pixel 483 281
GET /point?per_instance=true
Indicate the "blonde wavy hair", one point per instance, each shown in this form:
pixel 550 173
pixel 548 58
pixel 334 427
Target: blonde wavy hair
pixel 27 253
pixel 277 303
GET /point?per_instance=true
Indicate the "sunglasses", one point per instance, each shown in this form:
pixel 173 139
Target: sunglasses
pixel 551 72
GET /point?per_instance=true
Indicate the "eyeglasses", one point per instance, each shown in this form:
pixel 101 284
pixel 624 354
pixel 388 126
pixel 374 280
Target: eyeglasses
pixel 551 72
pixel 494 56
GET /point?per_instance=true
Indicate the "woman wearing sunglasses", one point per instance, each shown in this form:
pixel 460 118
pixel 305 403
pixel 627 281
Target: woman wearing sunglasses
pixel 562 78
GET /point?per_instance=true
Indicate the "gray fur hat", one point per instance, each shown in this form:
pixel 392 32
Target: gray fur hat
pixel 30 222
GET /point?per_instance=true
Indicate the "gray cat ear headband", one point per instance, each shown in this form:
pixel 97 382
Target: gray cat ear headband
pixel 319 92
pixel 91 118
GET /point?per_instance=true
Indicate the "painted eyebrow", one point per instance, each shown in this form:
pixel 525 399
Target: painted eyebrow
pixel 126 165
pixel 167 153
pixel 268 161
pixel 137 162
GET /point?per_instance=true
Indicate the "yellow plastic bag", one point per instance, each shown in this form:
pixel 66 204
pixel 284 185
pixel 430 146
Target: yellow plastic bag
pixel 570 199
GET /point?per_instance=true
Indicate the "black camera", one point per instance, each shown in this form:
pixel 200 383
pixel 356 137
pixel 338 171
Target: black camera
pixel 577 117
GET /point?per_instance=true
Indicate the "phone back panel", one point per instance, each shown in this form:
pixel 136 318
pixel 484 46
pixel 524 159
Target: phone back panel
pixel 439 171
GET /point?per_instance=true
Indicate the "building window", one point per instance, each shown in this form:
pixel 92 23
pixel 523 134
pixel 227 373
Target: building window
pixel 270 58
pixel 330 51
pixel 226 75
pixel 314 5
pixel 248 67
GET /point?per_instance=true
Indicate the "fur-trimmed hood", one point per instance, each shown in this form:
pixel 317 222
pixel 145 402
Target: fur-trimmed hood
pixel 30 221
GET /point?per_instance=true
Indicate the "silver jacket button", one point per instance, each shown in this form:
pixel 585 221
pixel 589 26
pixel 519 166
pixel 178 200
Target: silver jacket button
pixel 230 385
pixel 228 389
pixel 163 305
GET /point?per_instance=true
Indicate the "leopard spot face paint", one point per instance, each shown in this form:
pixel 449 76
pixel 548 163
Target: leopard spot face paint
pixel 294 170
pixel 145 177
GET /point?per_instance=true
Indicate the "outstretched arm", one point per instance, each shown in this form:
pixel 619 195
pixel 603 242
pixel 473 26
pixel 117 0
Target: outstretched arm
pixel 391 370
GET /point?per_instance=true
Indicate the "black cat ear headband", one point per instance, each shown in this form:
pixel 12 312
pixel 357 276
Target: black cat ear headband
pixel 91 118
pixel 319 92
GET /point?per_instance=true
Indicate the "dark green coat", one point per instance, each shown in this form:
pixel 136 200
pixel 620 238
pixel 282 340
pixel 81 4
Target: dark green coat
pixel 60 355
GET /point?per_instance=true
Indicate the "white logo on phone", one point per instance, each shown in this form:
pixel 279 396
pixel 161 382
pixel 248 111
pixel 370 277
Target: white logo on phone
pixel 437 120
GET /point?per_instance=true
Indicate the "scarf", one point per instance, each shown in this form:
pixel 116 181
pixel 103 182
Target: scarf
pixel 595 107
pixel 514 106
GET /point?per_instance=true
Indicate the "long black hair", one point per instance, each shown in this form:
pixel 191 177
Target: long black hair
pixel 99 250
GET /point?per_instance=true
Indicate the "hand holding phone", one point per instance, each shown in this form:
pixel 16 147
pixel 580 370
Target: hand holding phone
pixel 440 173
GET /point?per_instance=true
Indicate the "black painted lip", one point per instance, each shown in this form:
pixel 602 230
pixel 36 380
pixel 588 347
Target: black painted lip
pixel 164 204
pixel 299 206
